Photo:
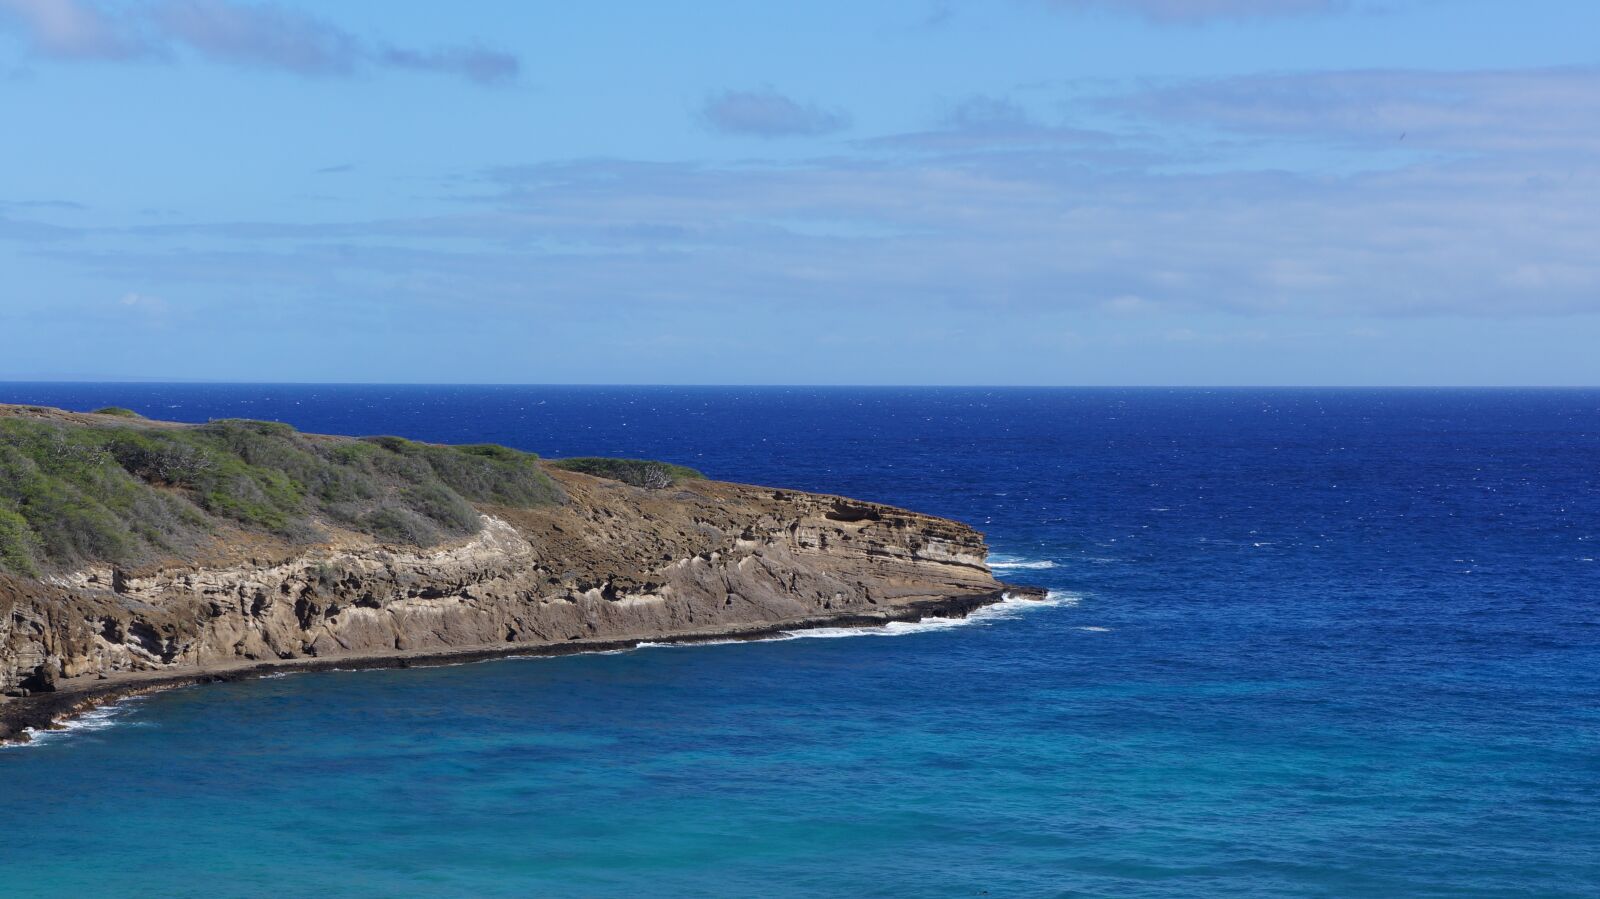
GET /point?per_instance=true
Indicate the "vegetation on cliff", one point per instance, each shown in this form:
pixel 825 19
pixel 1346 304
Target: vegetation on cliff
pixel 124 492
pixel 638 472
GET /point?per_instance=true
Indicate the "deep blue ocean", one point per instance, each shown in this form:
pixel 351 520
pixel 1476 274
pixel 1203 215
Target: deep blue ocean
pixel 1306 643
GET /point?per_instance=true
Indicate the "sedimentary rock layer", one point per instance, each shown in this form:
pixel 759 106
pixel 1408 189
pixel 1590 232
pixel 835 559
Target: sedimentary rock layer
pixel 611 563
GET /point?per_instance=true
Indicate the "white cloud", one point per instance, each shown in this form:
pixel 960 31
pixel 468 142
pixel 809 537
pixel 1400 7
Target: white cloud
pixel 1461 238
pixel 1483 226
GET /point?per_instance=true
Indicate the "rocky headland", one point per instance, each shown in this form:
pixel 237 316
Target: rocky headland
pixel 139 555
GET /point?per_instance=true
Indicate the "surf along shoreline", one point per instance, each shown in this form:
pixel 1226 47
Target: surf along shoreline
pixel 21 717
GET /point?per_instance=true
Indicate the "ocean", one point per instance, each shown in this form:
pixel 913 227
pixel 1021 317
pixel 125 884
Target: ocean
pixel 1300 643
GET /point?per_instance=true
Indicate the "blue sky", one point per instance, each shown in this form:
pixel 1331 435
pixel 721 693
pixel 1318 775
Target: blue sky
pixel 896 192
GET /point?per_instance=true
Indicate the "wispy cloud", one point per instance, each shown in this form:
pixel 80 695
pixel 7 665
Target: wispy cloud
pixel 27 231
pixel 767 113
pixel 968 233
pixel 1011 220
pixel 984 112
pixel 475 62
pixel 1527 110
pixel 256 35
pixel 982 123
pixel 1196 11
pixel 71 205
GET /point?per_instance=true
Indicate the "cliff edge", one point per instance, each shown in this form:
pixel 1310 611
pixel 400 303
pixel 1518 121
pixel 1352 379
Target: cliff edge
pixel 581 562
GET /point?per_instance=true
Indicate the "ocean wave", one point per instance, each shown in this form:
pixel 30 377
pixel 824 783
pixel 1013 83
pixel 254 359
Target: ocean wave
pixel 101 718
pixel 1015 562
pixel 1010 607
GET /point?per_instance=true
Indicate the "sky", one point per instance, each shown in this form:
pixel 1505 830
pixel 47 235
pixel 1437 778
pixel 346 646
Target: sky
pixel 1029 192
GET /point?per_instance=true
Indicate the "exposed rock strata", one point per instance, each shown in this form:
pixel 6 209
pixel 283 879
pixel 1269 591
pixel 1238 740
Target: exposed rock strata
pixel 612 564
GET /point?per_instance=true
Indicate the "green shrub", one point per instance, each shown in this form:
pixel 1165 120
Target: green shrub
pixel 398 525
pixel 68 491
pixel 493 451
pixel 638 472
pixel 117 411
pixel 483 473
pixel 442 506
pixel 75 493
pixel 19 545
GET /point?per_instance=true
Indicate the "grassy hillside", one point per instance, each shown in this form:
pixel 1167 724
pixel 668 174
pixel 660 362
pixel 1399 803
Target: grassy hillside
pixel 121 490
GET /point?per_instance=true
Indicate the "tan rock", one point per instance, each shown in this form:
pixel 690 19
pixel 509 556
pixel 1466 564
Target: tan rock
pixel 612 562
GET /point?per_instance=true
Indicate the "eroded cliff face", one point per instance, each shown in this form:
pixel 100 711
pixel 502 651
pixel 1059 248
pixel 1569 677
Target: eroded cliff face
pixel 613 561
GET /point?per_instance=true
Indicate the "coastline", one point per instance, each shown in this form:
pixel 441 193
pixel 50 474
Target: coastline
pixel 74 697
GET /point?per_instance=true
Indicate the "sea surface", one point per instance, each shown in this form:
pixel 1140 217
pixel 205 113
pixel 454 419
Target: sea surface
pixel 1301 643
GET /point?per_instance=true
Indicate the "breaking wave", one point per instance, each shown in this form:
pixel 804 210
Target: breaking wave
pixel 1010 607
pixel 1014 563
pixel 101 718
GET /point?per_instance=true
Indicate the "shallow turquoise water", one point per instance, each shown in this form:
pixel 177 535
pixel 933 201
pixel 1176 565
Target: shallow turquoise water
pixel 1307 643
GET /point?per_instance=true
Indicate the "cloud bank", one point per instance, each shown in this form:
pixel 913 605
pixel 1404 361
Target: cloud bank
pixel 1174 208
pixel 252 35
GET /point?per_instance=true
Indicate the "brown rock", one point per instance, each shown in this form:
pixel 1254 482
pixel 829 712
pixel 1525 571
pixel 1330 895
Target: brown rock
pixel 613 562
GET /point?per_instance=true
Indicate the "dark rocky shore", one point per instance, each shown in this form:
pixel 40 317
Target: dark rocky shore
pixel 50 710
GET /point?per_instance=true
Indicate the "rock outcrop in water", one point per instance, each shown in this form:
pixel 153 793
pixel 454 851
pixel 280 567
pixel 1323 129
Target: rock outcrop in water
pixel 607 564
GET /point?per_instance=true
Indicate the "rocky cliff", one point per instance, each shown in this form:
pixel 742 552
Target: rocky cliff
pixel 608 563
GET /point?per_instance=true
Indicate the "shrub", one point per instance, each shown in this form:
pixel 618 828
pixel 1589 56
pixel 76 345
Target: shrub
pixel 645 473
pixel 398 525
pixel 19 546
pixel 443 507
pixel 72 493
pixel 68 491
pixel 483 473
pixel 117 411
pixel 161 458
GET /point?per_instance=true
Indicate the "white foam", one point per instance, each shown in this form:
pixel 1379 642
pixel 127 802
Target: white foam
pixel 1010 607
pixel 680 644
pixel 1013 562
pixel 1095 630
pixel 101 718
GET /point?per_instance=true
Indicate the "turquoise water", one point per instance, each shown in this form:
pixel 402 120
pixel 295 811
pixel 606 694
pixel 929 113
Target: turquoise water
pixel 1303 643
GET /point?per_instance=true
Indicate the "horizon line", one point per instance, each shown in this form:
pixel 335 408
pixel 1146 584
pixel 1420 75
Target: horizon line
pixel 151 382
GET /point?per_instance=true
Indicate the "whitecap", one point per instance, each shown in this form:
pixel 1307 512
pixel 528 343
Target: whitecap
pixel 1015 562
